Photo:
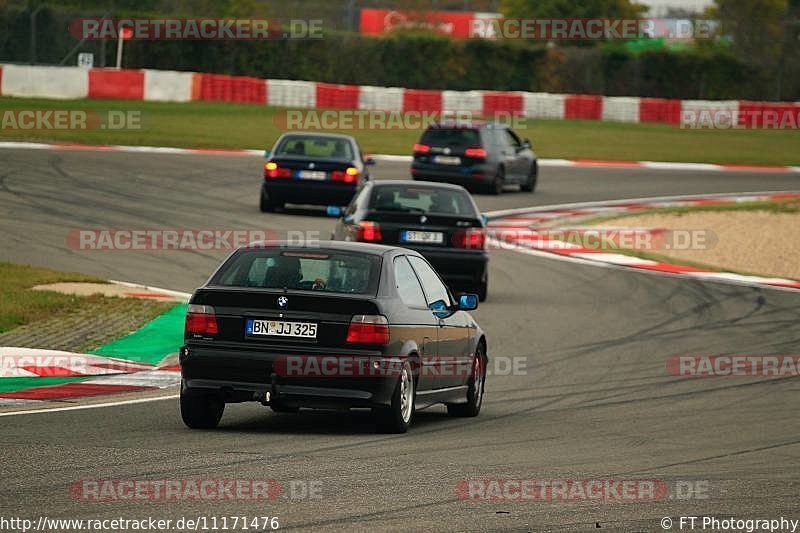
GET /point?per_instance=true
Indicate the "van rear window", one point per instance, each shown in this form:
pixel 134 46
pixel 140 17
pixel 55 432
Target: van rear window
pixel 451 137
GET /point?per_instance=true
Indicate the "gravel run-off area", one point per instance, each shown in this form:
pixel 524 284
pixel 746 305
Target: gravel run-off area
pixel 756 242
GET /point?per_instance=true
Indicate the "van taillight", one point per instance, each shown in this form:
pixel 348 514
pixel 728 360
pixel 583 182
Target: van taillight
pixel 471 239
pixel 201 320
pixel 368 329
pixel 478 153
pixel 422 148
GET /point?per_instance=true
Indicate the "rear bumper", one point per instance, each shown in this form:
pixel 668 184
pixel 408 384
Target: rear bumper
pixel 464 269
pixel 240 376
pixel 459 175
pixel 308 192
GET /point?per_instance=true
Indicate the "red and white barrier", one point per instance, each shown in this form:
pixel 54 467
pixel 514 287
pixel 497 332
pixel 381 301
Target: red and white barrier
pixel 422 100
pixel 330 96
pixel 173 86
pixel 124 84
pixel 168 86
pixel 621 109
pixel 769 115
pixel 544 105
pixel 462 102
pixel 501 104
pixel 659 110
pixel 583 107
pixel 60 83
pixel 290 93
pixel 380 98
pixel 231 89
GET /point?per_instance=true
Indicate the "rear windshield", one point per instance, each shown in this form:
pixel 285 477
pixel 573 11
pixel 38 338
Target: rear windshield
pixel 451 137
pixel 317 270
pixel 315 146
pixel 408 198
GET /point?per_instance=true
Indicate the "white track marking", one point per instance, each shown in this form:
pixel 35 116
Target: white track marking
pixel 90 406
pixel 177 294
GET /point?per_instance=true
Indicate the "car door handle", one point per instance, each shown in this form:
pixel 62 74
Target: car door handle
pixel 425 342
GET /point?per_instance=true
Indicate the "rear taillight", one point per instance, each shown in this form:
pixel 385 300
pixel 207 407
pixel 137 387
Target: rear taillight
pixel 422 148
pixel 470 239
pixel 272 171
pixel 347 176
pixel 368 329
pixel 201 320
pixel 368 232
pixel 478 153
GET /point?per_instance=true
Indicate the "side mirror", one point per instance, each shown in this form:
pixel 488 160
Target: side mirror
pixel 440 309
pixel 468 302
pixel 527 144
pixel 334 211
pixel 369 161
pixel 485 219
pixel 267 154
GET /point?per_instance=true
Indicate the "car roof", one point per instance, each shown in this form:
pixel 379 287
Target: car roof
pixel 318 134
pixel 342 246
pixel 467 125
pixel 420 184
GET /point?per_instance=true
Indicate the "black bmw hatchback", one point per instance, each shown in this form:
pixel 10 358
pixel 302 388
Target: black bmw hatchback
pixel 439 220
pixel 311 168
pixel 339 325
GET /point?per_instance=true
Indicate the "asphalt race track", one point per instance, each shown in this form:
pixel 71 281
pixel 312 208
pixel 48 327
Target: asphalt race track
pixel 594 399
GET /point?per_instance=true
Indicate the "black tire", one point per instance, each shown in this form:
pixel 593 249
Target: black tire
pixel 474 390
pixel 483 290
pixel 268 206
pixel 201 409
pixel 533 178
pixel 496 187
pixel 397 418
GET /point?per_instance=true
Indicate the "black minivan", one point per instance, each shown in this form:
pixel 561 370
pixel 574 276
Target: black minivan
pixel 483 156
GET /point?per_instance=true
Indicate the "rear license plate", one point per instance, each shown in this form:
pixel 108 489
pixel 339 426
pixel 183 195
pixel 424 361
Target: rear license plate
pixel 280 328
pixel 447 160
pixel 435 237
pixel 318 175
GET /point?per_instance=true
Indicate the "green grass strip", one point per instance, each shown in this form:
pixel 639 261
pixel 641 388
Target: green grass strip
pixel 152 342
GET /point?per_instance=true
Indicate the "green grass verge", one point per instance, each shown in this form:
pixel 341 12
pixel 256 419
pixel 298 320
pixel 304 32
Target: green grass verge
pixel 19 305
pixel 208 125
pixel 152 342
